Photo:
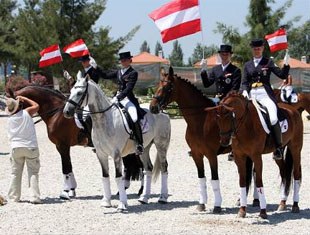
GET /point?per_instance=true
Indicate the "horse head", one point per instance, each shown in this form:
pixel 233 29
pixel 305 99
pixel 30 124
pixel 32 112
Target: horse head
pixel 230 110
pixel 163 94
pixel 77 96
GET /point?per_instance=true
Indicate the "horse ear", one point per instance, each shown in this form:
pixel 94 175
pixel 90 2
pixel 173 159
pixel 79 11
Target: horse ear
pixel 79 75
pixel 171 73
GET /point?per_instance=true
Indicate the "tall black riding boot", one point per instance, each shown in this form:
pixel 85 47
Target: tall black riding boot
pixel 139 137
pixel 88 124
pixel 277 136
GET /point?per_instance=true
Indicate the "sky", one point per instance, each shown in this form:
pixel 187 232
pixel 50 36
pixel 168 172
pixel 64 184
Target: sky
pixel 124 15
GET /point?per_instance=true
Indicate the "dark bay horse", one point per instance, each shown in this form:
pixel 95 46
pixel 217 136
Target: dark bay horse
pixel 202 133
pixel 236 116
pixel 64 133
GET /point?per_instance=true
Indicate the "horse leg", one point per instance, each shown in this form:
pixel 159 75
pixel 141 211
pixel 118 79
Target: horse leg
pixel 297 180
pixel 283 188
pixel 215 184
pixel 258 165
pixel 162 161
pixel 198 159
pixel 147 176
pixel 241 165
pixel 120 183
pixel 70 184
pixel 106 199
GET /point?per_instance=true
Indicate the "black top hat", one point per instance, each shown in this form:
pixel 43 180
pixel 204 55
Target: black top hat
pixel 84 58
pixel 125 55
pixel 257 42
pixel 225 48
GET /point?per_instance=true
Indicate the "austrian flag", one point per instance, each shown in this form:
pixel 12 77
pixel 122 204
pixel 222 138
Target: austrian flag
pixel 77 48
pixel 50 55
pixel 177 18
pixel 277 41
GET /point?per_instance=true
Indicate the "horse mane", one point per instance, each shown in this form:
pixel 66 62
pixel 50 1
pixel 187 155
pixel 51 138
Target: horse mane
pixel 232 94
pixel 46 90
pixel 195 90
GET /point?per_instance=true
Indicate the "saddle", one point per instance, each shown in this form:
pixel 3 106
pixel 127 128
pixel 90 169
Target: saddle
pixel 265 120
pixel 85 129
pixel 288 94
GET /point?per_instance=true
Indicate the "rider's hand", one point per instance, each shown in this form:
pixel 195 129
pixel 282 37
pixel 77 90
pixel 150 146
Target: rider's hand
pixel 287 58
pixel 203 63
pixel 114 100
pixel 245 94
pixel 92 62
pixel 67 75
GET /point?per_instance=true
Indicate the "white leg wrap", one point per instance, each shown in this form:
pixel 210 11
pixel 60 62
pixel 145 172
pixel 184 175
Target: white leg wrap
pixel 67 182
pixel 283 196
pixel 106 188
pixel 296 190
pixel 262 198
pixel 217 192
pixel 147 187
pixel 203 190
pixel 73 183
pixel 126 183
pixel 164 185
pixel 243 197
pixel 121 190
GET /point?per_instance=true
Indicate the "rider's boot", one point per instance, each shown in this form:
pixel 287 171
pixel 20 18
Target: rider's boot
pixel 277 136
pixel 137 131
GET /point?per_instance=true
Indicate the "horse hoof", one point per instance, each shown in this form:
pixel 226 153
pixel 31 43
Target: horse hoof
pixel 64 195
pixel 143 200
pixel 217 210
pixel 122 207
pixel 2 201
pixel 72 193
pixel 295 209
pixel 201 207
pixel 163 200
pixel 263 215
pixel 242 212
pixel 255 202
pixel 282 207
pixel 106 203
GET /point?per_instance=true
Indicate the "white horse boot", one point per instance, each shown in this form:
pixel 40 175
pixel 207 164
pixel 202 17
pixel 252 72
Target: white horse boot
pixel 144 198
pixel 122 194
pixel 73 185
pixel 203 194
pixel 163 198
pixel 66 187
pixel 217 195
pixel 106 200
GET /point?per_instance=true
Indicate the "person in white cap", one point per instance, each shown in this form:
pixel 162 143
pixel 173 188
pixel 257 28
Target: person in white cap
pixel 24 146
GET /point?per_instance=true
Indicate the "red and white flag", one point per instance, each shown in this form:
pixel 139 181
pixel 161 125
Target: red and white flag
pixel 177 18
pixel 50 55
pixel 76 49
pixel 277 41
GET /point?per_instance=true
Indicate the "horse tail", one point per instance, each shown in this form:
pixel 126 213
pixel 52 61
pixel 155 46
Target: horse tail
pixel 133 166
pixel 288 170
pixel 156 169
pixel 249 173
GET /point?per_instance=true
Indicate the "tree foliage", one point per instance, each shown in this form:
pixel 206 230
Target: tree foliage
pixel 145 47
pixel 176 56
pixel 158 49
pixel 201 52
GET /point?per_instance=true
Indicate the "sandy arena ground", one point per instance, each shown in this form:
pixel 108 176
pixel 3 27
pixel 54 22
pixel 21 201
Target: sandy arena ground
pixel 83 215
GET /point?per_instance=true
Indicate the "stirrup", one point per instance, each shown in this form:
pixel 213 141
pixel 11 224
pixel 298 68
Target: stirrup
pixel 278 154
pixel 139 149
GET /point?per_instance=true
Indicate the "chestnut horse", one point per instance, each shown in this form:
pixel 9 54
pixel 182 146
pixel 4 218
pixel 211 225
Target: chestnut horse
pixel 64 133
pixel 202 133
pixel 236 116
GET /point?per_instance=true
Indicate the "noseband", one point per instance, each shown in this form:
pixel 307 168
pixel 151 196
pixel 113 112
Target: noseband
pixel 166 90
pixel 232 131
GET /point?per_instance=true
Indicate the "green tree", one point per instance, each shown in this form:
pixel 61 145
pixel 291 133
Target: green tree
pixel 176 57
pixel 261 21
pixel 159 49
pixel 145 47
pixel 7 35
pixel 201 51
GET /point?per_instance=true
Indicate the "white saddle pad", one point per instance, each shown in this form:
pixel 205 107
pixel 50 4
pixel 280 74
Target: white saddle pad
pixel 283 124
pixel 77 122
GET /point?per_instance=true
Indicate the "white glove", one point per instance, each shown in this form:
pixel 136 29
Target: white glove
pixel 287 58
pixel 67 75
pixel 92 62
pixel 114 100
pixel 245 94
pixel 203 63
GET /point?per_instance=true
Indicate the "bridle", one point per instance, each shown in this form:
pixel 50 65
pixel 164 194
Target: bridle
pixel 78 104
pixel 163 100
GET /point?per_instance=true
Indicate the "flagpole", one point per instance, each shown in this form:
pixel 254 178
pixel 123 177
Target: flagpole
pixel 202 38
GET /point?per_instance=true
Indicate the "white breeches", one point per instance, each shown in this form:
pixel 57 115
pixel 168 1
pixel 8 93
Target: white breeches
pixel 262 97
pixel 131 108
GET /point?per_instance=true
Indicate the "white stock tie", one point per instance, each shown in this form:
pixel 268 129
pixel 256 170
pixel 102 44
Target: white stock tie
pixel 256 61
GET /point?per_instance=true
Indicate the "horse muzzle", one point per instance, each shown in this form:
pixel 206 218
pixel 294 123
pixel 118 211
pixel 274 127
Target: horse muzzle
pixel 154 109
pixel 68 111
